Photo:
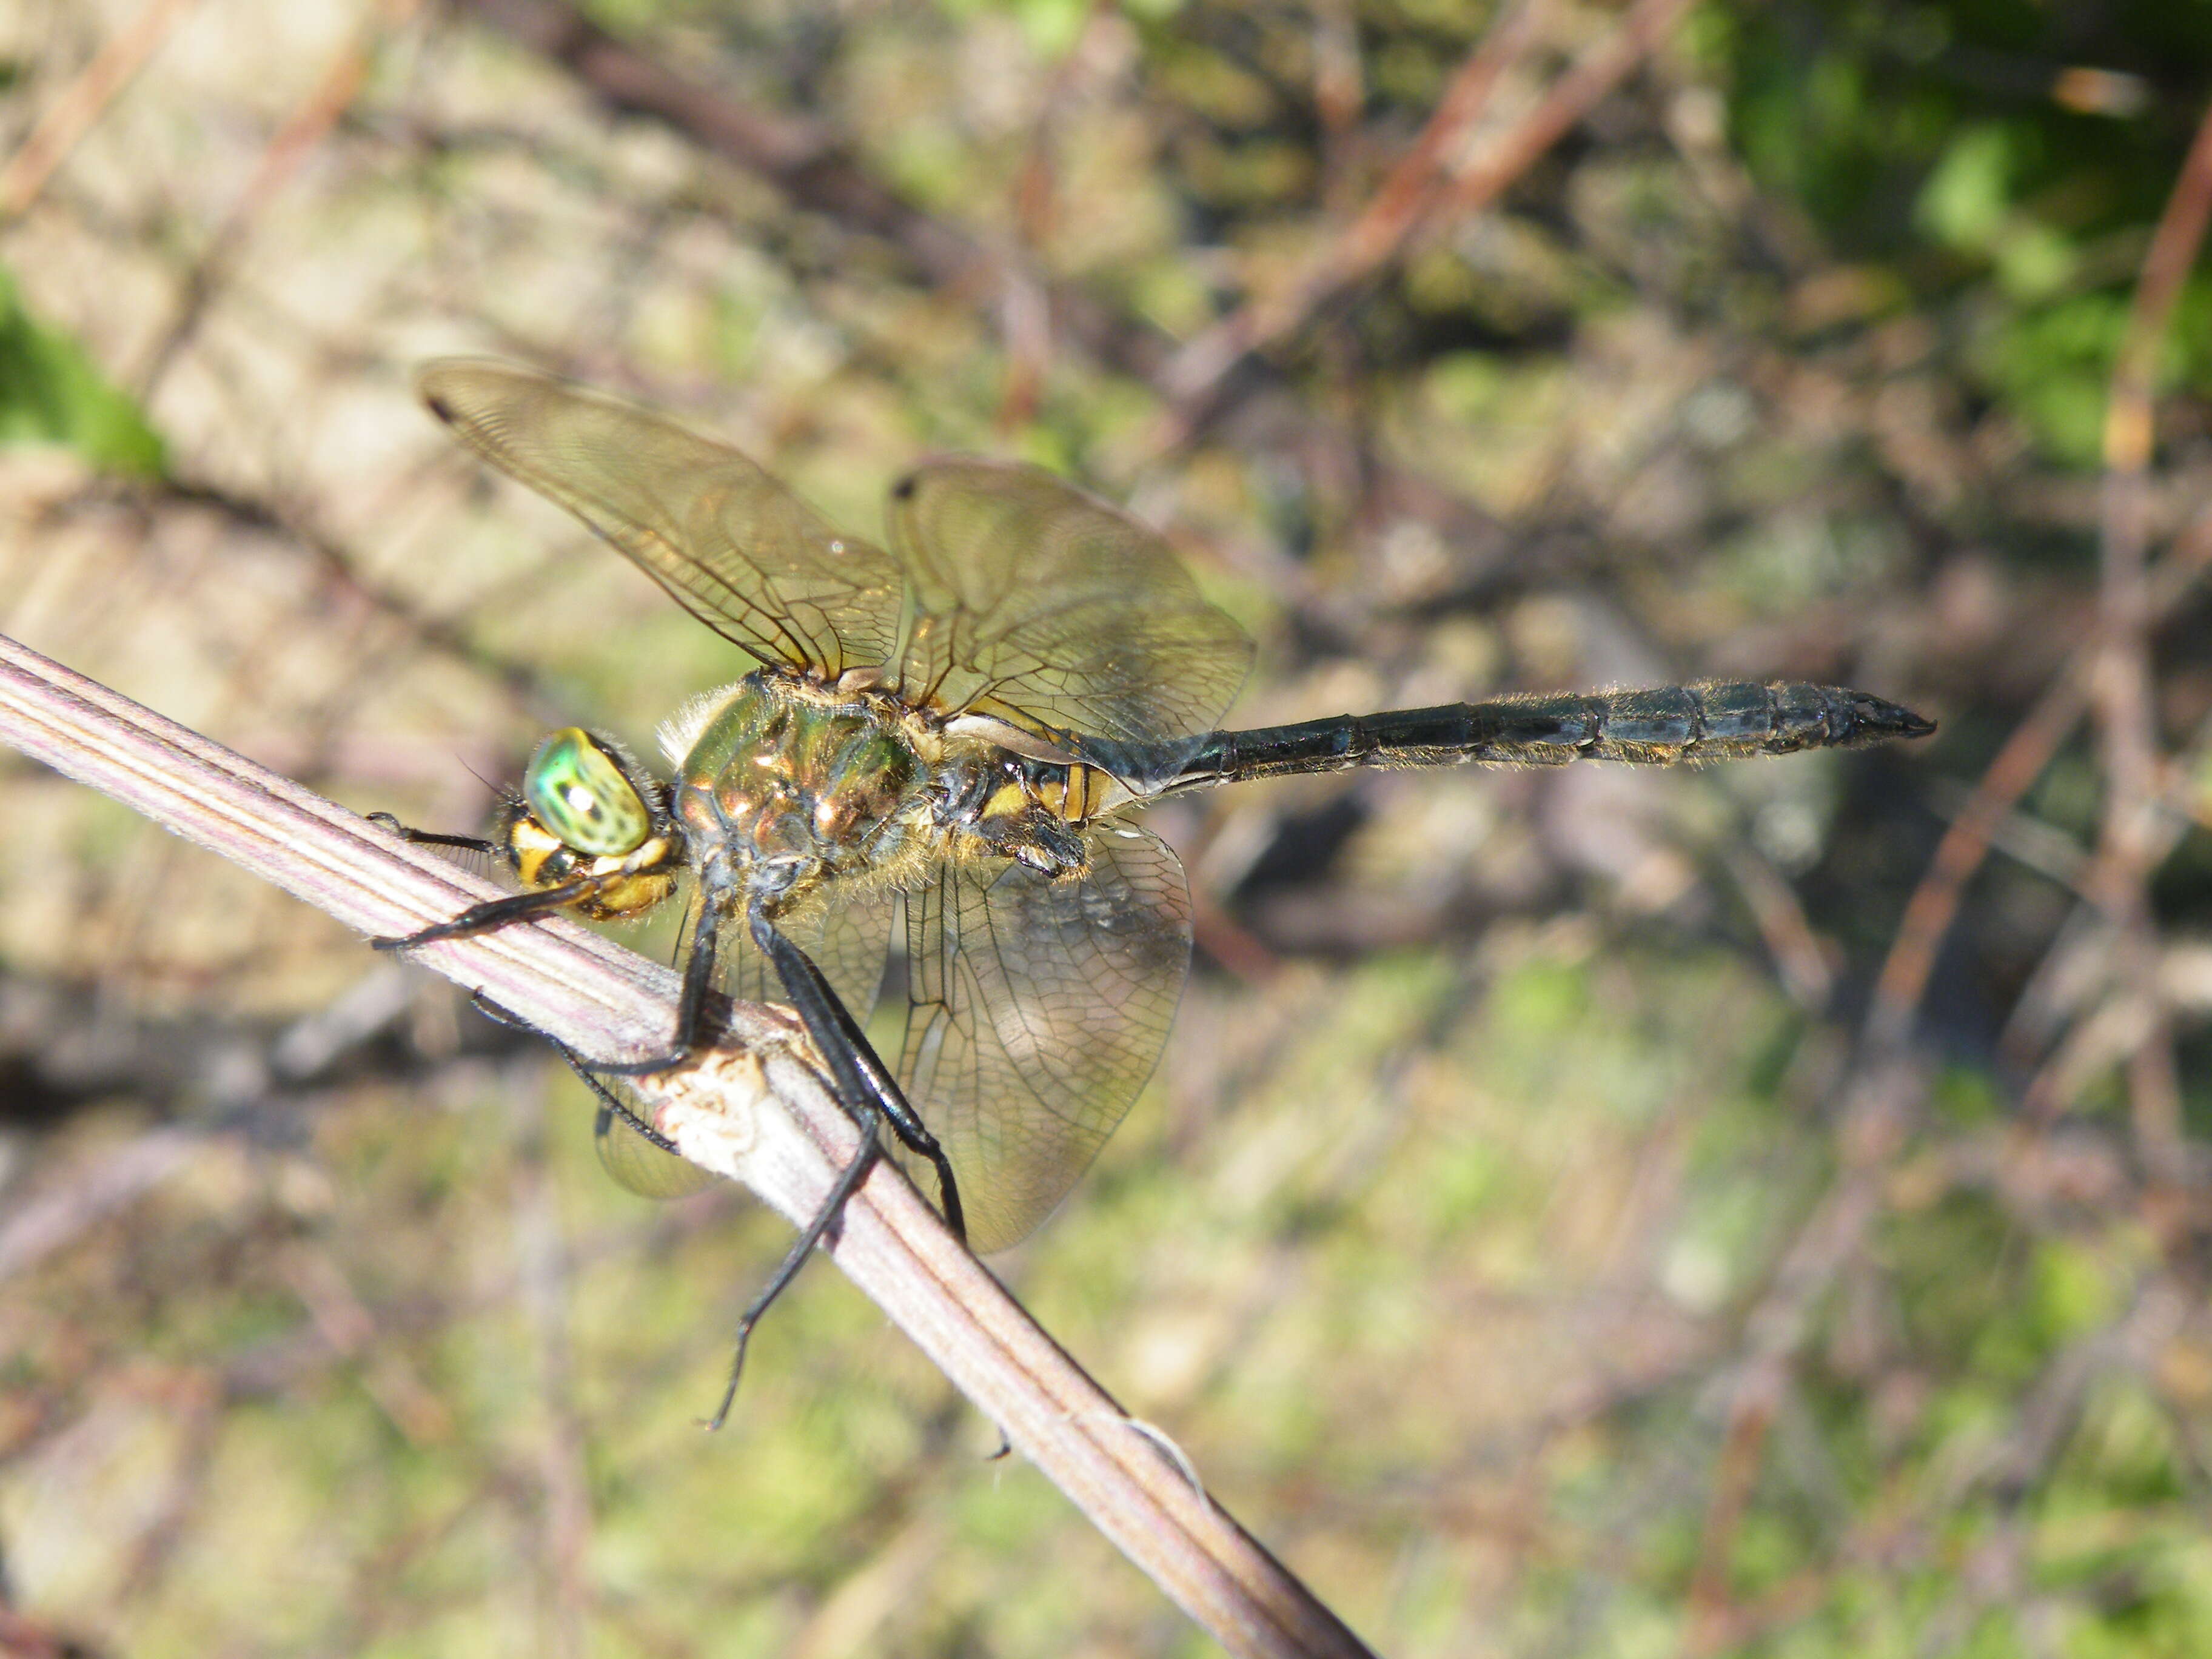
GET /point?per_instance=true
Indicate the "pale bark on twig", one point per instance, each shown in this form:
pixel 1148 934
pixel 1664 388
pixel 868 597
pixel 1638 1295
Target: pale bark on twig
pixel 755 1111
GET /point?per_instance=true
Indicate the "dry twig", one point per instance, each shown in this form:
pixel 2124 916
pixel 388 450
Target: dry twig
pixel 2125 708
pixel 756 1112
pixel 1934 903
pixel 1422 194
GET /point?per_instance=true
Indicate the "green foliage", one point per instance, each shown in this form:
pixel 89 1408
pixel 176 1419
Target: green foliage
pixel 1448 1233
pixel 1050 26
pixel 1947 143
pixel 52 392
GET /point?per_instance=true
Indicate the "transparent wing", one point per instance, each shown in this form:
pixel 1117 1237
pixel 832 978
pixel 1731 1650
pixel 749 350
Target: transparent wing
pixel 733 546
pixel 634 1162
pixel 1037 1010
pixel 1040 604
pixel 848 938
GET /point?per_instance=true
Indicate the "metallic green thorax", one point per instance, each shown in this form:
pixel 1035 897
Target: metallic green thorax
pixel 780 776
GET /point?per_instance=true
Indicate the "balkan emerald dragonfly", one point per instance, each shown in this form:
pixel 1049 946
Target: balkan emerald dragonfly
pixel 947 735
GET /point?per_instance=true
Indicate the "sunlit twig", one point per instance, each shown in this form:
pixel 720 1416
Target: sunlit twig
pixel 755 1111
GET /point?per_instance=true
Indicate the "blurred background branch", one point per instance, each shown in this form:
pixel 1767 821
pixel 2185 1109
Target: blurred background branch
pixel 1755 1209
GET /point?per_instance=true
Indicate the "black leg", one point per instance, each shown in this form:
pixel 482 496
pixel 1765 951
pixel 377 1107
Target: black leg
pixel 865 1089
pixel 609 1102
pixel 432 838
pixel 698 980
pixel 612 1104
pixel 825 1219
pixel 494 913
pixel 691 1003
pixel 865 1086
pixel 478 918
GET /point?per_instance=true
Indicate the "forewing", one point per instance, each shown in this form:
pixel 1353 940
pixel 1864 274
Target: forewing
pixel 1038 604
pixel 733 546
pixel 1037 1010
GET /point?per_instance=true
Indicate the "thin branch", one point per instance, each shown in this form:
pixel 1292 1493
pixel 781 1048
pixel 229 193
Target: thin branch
pixel 1414 190
pixel 755 1111
pixel 2126 710
pixel 2112 665
pixel 1420 196
pixel 73 114
pixel 1929 912
pixel 1799 955
pixel 1934 903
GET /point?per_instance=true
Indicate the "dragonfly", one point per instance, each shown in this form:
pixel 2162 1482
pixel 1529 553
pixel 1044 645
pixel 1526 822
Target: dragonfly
pixel 944 738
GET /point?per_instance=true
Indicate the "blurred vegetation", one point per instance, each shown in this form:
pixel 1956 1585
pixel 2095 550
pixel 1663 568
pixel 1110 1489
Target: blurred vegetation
pixel 1542 1232
pixel 52 393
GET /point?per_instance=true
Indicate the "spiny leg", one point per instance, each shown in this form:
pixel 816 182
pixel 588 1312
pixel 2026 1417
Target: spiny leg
pixel 864 1089
pixel 825 1219
pixel 849 1181
pixel 610 1101
pixel 863 1086
pixel 432 838
pixel 493 914
pixel 854 1064
pixel 691 1001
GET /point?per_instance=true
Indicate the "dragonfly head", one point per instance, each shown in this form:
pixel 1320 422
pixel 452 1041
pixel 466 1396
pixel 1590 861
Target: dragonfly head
pixel 587 809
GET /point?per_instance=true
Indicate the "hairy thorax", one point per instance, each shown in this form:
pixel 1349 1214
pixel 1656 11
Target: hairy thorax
pixel 783 784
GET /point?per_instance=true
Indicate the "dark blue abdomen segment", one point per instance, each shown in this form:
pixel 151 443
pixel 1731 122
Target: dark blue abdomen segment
pixel 1724 720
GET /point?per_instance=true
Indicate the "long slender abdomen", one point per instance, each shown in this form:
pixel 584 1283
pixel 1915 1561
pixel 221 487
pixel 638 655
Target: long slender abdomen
pixel 1728 720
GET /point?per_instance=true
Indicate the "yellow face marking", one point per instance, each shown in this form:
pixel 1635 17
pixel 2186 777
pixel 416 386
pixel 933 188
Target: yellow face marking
pixel 628 897
pixel 530 844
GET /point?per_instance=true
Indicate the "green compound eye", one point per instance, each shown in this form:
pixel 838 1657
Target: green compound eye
pixel 579 792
